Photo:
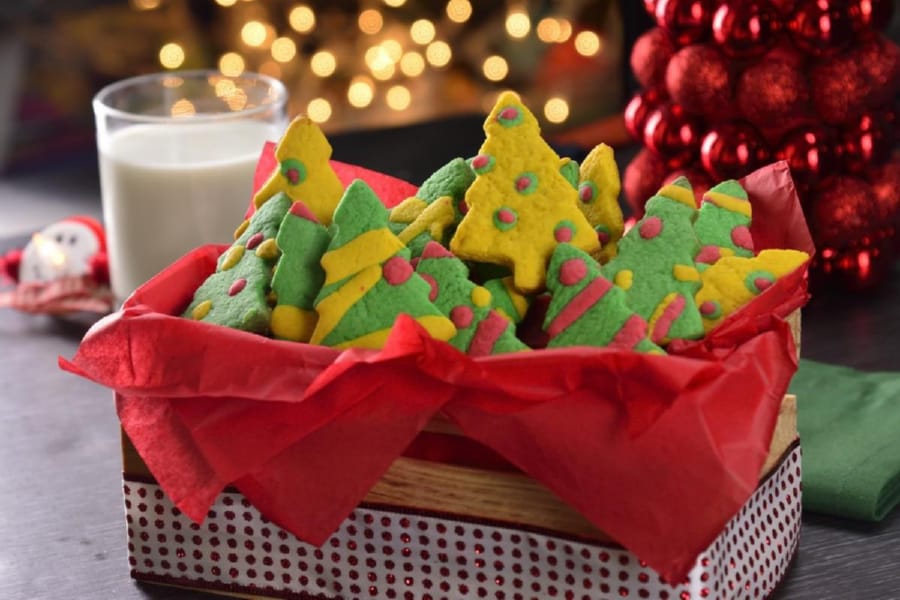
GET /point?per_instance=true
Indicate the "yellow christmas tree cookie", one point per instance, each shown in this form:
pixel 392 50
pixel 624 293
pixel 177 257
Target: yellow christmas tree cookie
pixel 598 193
pixel 303 171
pixel 520 206
pixel 732 281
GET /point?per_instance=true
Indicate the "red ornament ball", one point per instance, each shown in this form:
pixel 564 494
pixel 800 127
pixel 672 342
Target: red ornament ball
pixel 673 135
pixel 650 55
pixel 809 152
pixel 870 15
pixel 772 92
pixel 650 7
pixel 686 20
pixel 839 89
pixel 639 108
pixel 886 186
pixel 879 63
pixel 785 7
pixel 867 142
pixel 820 27
pixel 642 178
pixel 745 29
pixel 698 78
pixel 843 211
pixel 732 150
pixel 861 267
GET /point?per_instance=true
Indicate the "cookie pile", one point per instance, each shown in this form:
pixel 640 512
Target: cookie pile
pixel 478 243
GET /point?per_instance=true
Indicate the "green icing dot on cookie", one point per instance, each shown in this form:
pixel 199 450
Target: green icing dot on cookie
pixel 510 116
pixel 711 310
pixel 482 163
pixel 526 183
pixel 587 192
pixel 505 218
pixel 293 170
pixel 758 281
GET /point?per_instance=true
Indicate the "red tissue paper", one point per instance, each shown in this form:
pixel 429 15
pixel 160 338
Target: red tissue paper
pixel 659 452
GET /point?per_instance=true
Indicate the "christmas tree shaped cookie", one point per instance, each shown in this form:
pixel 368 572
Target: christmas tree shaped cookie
pixel 236 295
pixel 369 280
pixel 723 224
pixel 506 299
pixel 655 265
pixel 452 179
pixel 586 309
pixel 432 224
pixel 733 281
pixel 303 171
pixel 520 206
pixel 480 330
pixel 598 195
pixel 298 275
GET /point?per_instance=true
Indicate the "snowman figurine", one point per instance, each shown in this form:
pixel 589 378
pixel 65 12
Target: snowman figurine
pixel 73 247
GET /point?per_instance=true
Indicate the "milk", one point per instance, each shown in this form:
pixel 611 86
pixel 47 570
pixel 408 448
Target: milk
pixel 168 188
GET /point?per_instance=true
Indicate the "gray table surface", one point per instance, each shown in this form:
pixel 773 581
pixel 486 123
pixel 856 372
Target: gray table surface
pixel 62 531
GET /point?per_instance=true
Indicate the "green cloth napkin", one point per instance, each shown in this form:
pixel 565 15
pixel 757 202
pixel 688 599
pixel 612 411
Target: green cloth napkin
pixel 849 424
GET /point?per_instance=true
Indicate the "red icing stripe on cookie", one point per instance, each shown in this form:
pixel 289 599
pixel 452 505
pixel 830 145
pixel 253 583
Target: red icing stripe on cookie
pixel 669 315
pixel 585 299
pixel 630 335
pixel 299 209
pixel 487 333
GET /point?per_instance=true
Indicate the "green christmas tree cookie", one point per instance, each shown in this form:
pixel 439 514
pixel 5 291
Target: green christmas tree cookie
pixel 298 275
pixel 369 280
pixel 507 300
pixel 452 179
pixel 586 309
pixel 236 295
pixel 480 330
pixel 655 265
pixel 723 224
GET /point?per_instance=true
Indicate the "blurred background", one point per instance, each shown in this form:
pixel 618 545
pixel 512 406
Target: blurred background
pixel 347 64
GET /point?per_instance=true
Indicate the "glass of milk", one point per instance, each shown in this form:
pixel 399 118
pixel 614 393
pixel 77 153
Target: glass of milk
pixel 177 153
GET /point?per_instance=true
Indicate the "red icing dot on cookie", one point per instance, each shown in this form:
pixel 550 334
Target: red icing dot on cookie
pixel 603 237
pixel 509 114
pixel 572 271
pixel 433 293
pixel 708 308
pixel 237 286
pixel 563 234
pixel 481 161
pixel 708 255
pixel 650 227
pixel 762 283
pixel 396 270
pixel 293 175
pixel 522 183
pixel 587 191
pixel 255 240
pixel 461 316
pixel 462 207
pixel 740 235
pixel 504 215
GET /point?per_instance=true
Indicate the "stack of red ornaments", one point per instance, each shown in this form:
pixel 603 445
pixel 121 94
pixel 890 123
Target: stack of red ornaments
pixel 731 85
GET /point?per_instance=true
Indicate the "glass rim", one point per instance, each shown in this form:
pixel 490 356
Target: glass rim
pixel 102 108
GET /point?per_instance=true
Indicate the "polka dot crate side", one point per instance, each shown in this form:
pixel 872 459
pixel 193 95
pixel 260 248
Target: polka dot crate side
pixel 381 553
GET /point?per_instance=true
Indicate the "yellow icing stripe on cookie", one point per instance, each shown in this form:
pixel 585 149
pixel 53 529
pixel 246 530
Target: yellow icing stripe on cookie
pixel 659 310
pixel 377 245
pixel 436 217
pixel 334 306
pixel 408 210
pixel 518 299
pixel 293 323
pixel 678 193
pixel 624 279
pixel 729 203
pixel 685 273
pixel 440 328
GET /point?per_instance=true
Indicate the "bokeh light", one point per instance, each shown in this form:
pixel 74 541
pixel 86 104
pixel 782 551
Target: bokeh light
pixel 323 63
pixel 438 54
pixel 171 55
pixel 565 31
pixel 556 110
pixel 422 31
pixel 393 48
pixel 319 110
pixel 145 4
pixel 459 11
pixel 253 33
pixel 302 18
pixel 361 91
pixel 370 21
pixel 231 64
pixel 182 108
pixel 284 49
pixel 226 3
pixel 495 68
pixel 395 3
pixel 587 43
pixel 398 97
pixel 518 24
pixel 412 64
pixel 549 30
